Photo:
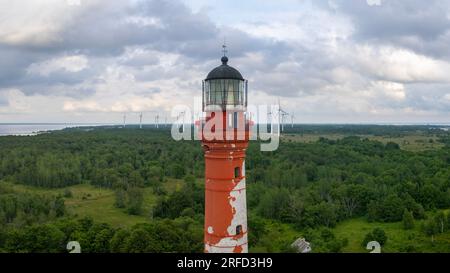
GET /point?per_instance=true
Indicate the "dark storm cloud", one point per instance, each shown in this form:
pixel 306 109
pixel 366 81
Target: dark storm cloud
pixel 14 73
pixel 105 31
pixel 57 89
pixel 108 29
pixel 13 64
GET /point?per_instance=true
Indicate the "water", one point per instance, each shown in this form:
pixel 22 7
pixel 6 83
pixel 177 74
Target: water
pixel 27 129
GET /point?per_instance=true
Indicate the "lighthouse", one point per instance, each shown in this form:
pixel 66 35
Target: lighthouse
pixel 225 133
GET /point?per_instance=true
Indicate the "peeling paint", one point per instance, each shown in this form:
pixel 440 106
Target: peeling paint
pixel 225 197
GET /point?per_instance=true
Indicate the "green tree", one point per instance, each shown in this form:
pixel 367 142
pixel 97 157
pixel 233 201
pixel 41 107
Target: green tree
pixel 389 209
pixel 408 220
pixel 117 243
pixel 322 214
pixel 274 204
pixel 380 236
pixel 134 201
pixel 59 206
pixel 137 241
pixel 101 243
pixel 135 179
pixel 441 221
pixel 153 175
pixel 121 198
pixel 448 219
pixel 430 228
pixel 68 193
pixel 392 146
pixel 377 234
pixel 43 238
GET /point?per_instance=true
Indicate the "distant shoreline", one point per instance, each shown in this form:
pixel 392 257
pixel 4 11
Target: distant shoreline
pixel 307 123
pixel 31 129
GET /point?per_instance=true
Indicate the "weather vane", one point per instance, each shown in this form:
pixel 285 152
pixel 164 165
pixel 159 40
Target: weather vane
pixel 224 46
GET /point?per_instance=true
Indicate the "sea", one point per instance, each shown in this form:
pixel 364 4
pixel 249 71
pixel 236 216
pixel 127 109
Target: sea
pixel 29 129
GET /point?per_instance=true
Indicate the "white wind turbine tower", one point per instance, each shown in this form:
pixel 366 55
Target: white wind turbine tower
pixel 140 120
pixel 281 115
pixel 157 121
pixel 182 114
pixel 269 119
pixel 124 120
pixel 283 120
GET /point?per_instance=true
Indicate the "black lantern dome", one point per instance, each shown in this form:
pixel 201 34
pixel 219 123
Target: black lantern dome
pixel 224 72
pixel 224 88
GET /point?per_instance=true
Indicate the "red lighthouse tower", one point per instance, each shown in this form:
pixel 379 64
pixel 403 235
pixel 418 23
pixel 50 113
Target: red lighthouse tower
pixel 225 134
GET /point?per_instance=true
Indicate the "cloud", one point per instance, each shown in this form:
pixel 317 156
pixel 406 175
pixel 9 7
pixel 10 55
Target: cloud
pixel 400 65
pixel 421 26
pixel 327 60
pixel 102 30
pixel 13 101
pixel 391 18
pixel 74 63
pixel 3 100
pixel 392 90
pixel 373 2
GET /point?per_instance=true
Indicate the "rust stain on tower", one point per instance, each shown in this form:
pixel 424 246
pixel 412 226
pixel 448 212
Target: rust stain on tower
pixel 225 135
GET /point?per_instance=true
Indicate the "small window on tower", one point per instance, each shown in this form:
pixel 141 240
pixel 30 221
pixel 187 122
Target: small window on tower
pixel 238 229
pixel 237 172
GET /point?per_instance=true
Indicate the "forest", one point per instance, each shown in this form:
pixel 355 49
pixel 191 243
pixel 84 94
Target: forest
pixel 136 190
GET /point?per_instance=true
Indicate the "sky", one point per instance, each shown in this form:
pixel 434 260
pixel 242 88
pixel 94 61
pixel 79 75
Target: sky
pixel 330 61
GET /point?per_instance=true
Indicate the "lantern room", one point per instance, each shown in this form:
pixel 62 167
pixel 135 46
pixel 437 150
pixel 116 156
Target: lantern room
pixel 224 89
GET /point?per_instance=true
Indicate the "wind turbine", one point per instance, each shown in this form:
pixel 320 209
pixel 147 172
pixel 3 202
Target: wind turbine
pixel 140 120
pixel 181 114
pixel 283 120
pixel 269 119
pixel 283 114
pixel 157 121
pixel 124 119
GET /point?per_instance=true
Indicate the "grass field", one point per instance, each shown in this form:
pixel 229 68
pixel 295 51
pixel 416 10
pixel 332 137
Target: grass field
pixel 278 236
pixel 399 240
pixel 98 203
pixel 419 142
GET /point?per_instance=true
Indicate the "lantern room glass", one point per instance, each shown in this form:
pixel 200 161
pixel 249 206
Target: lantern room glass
pixel 225 92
